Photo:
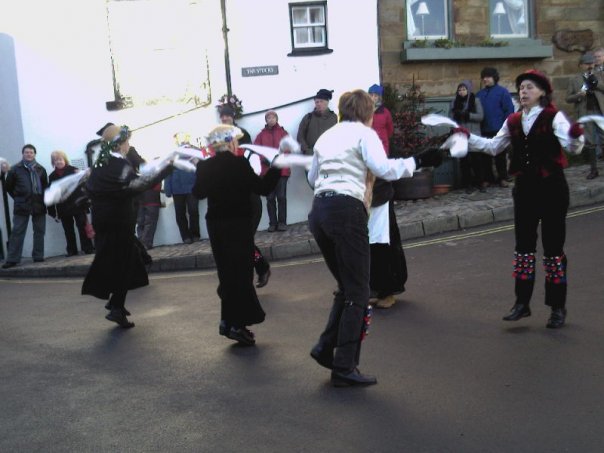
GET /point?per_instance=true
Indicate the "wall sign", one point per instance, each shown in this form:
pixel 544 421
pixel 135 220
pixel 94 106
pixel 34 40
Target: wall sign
pixel 259 71
pixel 570 40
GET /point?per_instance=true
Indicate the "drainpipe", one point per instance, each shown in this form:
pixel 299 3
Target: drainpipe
pixel 225 31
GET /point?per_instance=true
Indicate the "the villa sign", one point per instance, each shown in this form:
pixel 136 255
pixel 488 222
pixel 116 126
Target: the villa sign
pixel 259 71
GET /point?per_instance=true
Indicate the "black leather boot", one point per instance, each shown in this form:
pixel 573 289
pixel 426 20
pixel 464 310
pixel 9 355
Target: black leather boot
pixel 517 312
pixel 557 318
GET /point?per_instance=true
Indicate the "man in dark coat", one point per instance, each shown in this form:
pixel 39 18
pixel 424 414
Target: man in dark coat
pixel 26 183
pixel 313 124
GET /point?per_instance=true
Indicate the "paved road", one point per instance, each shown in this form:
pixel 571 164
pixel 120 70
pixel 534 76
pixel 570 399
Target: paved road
pixel 452 376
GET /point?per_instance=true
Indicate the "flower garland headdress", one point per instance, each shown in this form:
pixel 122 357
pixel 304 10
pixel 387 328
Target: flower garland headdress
pixel 232 101
pixel 113 136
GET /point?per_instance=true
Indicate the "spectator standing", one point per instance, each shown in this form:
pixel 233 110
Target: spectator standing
pixel 73 210
pixel 186 206
pixel 26 182
pixel 497 106
pixel 586 92
pixel 599 59
pixel 148 215
pixel 276 201
pixel 382 118
pixel 466 110
pixel 313 124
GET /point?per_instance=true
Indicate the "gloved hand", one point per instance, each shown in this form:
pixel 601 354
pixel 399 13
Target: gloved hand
pixel 576 130
pixel 591 82
pixel 431 157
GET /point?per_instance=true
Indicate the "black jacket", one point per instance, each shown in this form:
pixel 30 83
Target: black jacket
pixel 76 203
pixel 19 186
pixel 227 181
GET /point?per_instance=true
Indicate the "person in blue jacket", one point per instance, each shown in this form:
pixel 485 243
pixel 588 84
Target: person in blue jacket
pixel 497 105
pixel 179 185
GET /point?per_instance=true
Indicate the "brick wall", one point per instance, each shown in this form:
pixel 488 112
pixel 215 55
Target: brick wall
pixel 470 24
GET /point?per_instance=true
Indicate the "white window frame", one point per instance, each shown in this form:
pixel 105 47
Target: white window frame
pixel 153 62
pixel 414 24
pixel 311 27
pixel 517 13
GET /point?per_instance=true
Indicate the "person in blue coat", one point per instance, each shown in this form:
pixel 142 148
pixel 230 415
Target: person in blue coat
pixel 186 206
pixel 497 105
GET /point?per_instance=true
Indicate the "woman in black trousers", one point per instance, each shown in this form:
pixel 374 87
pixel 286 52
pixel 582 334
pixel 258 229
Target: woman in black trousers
pixel 538 134
pixel 343 157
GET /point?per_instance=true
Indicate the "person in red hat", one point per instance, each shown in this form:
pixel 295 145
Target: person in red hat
pixel 538 135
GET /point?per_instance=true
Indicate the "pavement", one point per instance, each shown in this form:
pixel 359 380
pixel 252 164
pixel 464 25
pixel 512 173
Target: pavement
pixel 453 211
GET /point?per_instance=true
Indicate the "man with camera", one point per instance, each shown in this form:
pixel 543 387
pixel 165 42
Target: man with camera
pixel 586 92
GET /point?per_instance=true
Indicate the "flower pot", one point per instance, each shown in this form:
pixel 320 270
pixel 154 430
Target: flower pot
pixel 441 189
pixel 417 187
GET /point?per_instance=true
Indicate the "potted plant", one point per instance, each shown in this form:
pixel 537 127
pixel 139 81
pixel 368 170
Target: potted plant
pixel 410 137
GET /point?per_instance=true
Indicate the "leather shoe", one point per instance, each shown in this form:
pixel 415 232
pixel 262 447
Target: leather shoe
pixel 593 174
pixel 351 378
pixel 517 312
pixel 272 228
pixel 323 358
pixel 503 183
pixel 38 260
pixel 119 317
pixel 108 307
pixel 8 265
pixel 556 319
pixel 263 279
pixel 242 335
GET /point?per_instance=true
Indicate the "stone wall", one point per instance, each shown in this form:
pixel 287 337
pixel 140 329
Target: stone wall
pixel 470 25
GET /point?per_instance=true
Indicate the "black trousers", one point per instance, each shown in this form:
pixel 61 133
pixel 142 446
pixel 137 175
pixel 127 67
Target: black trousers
pixel 70 237
pixel 542 201
pixel 339 225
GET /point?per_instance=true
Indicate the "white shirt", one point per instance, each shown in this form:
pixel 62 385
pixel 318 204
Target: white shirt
pixel 503 138
pixel 344 153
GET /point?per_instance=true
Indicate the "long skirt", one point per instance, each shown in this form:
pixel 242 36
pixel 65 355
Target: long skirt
pixel 232 242
pixel 388 265
pixel 118 264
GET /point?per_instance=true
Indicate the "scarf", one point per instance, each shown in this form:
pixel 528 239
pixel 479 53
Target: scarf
pixel 465 103
pixel 36 183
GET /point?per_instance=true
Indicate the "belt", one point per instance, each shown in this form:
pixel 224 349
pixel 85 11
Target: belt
pixel 329 193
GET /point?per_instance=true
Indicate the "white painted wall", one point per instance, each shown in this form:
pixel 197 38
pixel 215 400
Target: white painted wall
pixel 64 78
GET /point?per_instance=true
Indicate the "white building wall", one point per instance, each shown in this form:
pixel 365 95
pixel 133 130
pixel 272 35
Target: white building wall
pixel 64 78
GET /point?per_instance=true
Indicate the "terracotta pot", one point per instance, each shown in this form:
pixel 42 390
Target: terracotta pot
pixel 440 189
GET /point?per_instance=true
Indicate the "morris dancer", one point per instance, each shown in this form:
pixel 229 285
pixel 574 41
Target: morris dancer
pixel 118 264
pixel 538 134
pixel 228 181
pixel 343 156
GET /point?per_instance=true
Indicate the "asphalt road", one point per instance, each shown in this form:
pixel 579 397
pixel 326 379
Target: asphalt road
pixel 452 377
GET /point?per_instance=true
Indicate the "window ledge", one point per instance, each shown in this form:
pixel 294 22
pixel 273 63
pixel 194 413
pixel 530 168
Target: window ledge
pixel 519 48
pixel 309 52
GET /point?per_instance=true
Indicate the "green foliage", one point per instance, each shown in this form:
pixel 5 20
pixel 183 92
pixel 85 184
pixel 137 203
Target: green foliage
pixel 491 43
pixel 408 107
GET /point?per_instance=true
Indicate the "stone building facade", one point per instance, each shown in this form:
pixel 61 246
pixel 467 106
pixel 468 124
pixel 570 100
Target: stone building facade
pixel 557 32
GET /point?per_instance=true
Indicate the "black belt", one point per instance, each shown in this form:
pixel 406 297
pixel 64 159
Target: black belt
pixel 329 193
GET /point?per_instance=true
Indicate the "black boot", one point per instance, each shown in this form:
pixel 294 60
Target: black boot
pixel 351 378
pixel 322 352
pixel 517 312
pixel 557 318
pixel 523 290
pixel 117 315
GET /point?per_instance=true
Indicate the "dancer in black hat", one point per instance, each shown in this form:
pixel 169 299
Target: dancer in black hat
pixel 538 134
